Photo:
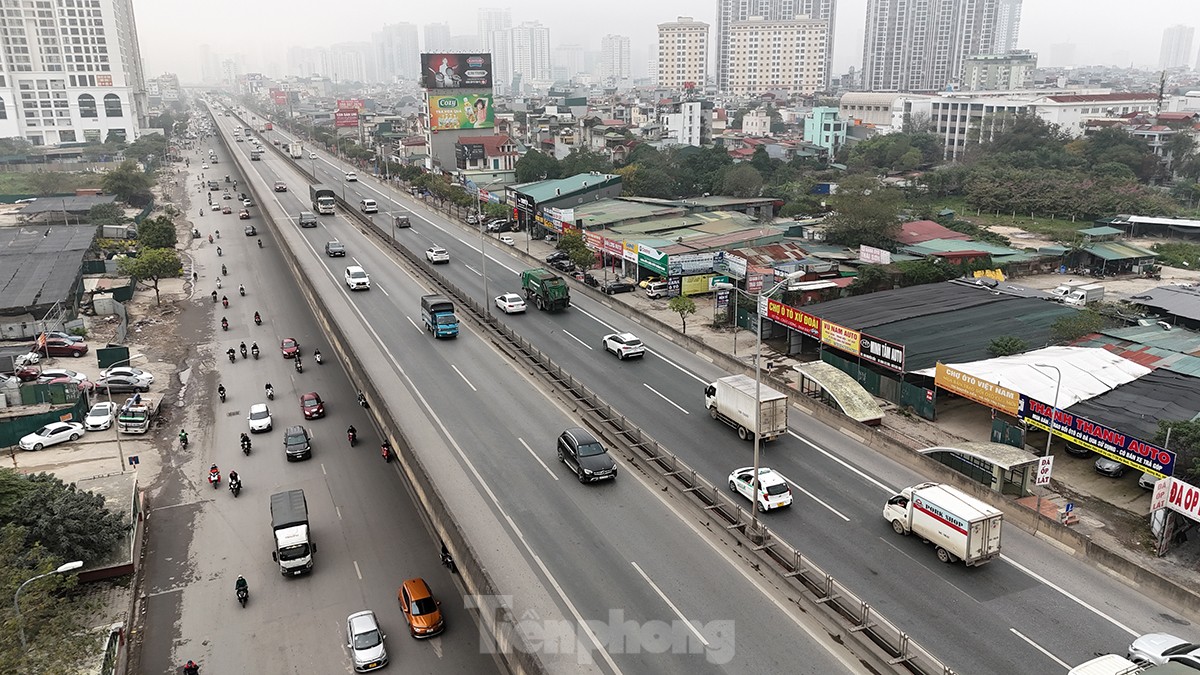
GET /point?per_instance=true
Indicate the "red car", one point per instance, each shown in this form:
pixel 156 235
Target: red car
pixel 60 347
pixel 226 210
pixel 290 348
pixel 312 406
pixel 243 215
pixel 27 373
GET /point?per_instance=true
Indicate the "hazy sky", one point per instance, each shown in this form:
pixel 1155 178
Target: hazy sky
pixel 1103 31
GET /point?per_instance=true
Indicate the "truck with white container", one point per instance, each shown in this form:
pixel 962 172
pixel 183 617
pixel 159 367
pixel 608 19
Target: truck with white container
pixel 294 547
pixel 295 150
pixel 960 526
pixel 323 199
pixel 732 400
pixel 1085 295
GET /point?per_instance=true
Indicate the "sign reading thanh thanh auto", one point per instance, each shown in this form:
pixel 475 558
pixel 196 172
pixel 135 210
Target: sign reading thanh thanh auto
pixel 1098 438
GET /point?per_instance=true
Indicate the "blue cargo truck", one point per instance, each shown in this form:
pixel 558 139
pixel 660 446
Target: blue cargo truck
pixel 437 311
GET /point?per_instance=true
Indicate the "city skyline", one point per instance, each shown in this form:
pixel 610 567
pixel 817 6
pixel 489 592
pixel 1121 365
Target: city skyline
pixel 164 28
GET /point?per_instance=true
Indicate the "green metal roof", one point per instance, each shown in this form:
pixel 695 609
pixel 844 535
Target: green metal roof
pixel 549 190
pixel 1102 231
pixel 1113 250
pixel 612 212
pixel 934 246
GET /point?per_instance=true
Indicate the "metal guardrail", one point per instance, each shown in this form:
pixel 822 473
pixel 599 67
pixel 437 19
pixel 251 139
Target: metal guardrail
pixel 804 574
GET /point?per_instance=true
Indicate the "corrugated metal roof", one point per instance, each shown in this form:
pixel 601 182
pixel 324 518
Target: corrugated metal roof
pixel 1181 301
pixel 1177 350
pixel 1135 408
pixel 1115 250
pixel 40 266
pixel 1100 231
pixel 549 190
pixel 934 246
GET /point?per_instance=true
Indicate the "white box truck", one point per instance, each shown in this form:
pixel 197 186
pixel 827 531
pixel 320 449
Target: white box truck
pixel 731 400
pixel 294 547
pixel 296 150
pixel 960 526
pixel 1084 295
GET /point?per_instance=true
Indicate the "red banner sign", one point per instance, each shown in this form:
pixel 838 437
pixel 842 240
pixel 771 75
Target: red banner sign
pixel 345 118
pixel 793 318
pixel 279 96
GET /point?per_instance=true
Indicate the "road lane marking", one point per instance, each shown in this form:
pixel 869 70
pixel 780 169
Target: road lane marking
pixel 339 512
pixel 357 571
pixel 414 324
pixel 539 459
pixel 846 465
pixel 464 377
pixel 1040 649
pixel 1068 594
pixel 477 272
pixel 678 367
pixel 568 334
pixel 816 499
pixel 384 290
pixel 663 397
pixel 670 604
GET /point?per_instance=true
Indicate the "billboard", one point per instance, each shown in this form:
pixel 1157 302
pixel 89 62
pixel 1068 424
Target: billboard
pixel 456 71
pixel 469 152
pixel 354 104
pixel 1098 438
pixel 466 111
pixel 279 96
pixel 978 390
pixel 345 118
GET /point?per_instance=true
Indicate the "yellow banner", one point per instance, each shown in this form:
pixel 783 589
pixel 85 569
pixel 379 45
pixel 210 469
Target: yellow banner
pixel 980 391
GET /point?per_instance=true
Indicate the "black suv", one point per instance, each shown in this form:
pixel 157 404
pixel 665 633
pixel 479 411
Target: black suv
pixel 614 287
pixel 586 456
pixel 296 443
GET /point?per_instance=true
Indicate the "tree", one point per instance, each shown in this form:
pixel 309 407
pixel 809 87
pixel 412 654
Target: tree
pixel 535 166
pixel 151 266
pixel 572 242
pixel 647 180
pixel 699 170
pixel 1078 324
pixel 69 523
pixel 1006 345
pixel 866 213
pixel 157 232
pixel 684 307
pixel 742 180
pixel 15 146
pixel 127 181
pixel 46 183
pixel 584 160
pixel 107 214
pixel 1185 442
pixel 870 278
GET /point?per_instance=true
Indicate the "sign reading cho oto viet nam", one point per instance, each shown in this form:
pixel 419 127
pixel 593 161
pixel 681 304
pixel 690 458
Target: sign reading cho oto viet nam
pixel 468 111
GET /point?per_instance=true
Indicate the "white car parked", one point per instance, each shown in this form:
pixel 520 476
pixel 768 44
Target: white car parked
pixel 126 371
pixel 510 303
pixel 51 434
pixel 100 417
pixel 624 345
pixel 773 491
pixel 259 418
pixel 357 278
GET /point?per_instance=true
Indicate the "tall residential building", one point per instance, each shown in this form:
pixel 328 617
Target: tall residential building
pixel 614 59
pixel 437 38
pixel 464 44
pixel 999 72
pixel 569 58
pixel 730 12
pixel 781 55
pixel 682 53
pixel 210 66
pixel 1176 47
pixel 72 73
pixel 1008 25
pixel 397 52
pixel 916 45
pixel 348 61
pixel 306 62
pixel 530 48
pixel 494 38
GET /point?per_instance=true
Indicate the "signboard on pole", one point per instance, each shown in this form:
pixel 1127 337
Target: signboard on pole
pixel 1181 497
pixel 1045 465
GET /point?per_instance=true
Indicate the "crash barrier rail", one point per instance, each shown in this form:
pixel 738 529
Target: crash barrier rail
pixel 902 651
pixel 502 625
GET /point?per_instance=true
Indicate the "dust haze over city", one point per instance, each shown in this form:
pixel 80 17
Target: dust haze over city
pixel 1103 32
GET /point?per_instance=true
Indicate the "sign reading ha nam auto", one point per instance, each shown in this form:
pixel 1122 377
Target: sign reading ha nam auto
pixel 1100 439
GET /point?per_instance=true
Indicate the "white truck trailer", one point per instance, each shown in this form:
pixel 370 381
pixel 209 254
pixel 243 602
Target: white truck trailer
pixel 958 525
pixel 731 400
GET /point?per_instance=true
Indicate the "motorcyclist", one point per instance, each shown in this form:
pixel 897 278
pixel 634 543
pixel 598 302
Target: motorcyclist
pixel 245 439
pixel 183 437
pixel 242 349
pixel 219 252
pixel 352 434
pixel 190 668
pixel 317 355
pixel 214 297
pixel 254 349
pixel 224 270
pixel 213 473
pixel 242 289
pixel 257 318
pixel 270 391
pixel 234 479
pixel 260 243
pixel 221 391
pixel 240 585
pixel 225 300
pixel 225 326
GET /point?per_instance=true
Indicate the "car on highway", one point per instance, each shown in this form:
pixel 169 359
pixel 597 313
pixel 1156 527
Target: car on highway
pixel 216 207
pixel 364 639
pixel 368 206
pixel 247 202
pixel 312 155
pixel 437 254
pixel 614 287
pixel 290 347
pixel 402 221
pixel 249 230
pixel 203 166
pixel 312 406
pixel 129 371
pixel 1108 467
pixel 297 444
pixel 335 249
pixel 274 141
pixel 508 240
pixel 586 456
pixel 100 417
pixel 357 278
pixel 1159 649
pixel 421 610
pixel 59 347
pixel 226 195
pixel 351 177
pixel 121 384
pixel 510 303
pixel 259 418
pixel 280 186
pixel 243 215
pixel 226 210
pixel 773 491
pixel 51 434
pixel 624 345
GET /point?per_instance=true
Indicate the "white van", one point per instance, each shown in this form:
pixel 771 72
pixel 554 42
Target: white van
pixel 656 289
pixel 368 206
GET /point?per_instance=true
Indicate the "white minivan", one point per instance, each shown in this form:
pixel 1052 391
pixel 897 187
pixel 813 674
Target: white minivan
pixel 368 206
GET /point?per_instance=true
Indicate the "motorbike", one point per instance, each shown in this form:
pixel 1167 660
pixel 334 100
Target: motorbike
pixel 362 400
pixel 225 302
pixel 254 351
pixel 210 239
pixel 299 366
pixel 214 479
pixel 317 356
pixel 219 252
pixel 235 486
pixel 218 233
pixel 225 325
pixel 257 319
pixel 448 560
pixel 386 451
pixel 192 669
pixel 241 290
pixel 243 350
pixel 232 355
pixel 246 446
pixel 243 594
pixel 224 270
pixel 352 436
pixel 218 282
pixel 270 393
pixel 221 392
pixel 214 297
pixel 183 441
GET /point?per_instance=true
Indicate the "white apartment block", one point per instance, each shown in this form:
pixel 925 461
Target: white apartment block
pixel 682 53
pixel 999 72
pixel 777 55
pixel 756 123
pixel 614 58
pixel 71 71
pixel 730 12
pixel 920 45
pixel 686 123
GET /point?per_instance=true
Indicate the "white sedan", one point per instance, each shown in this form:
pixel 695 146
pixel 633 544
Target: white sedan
pixel 51 434
pixel 773 491
pixel 624 345
pixel 510 303
pixel 259 418
pixel 100 417
pixel 126 371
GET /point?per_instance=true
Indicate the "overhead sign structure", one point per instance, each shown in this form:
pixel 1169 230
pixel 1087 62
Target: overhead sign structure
pixel 466 111
pixel 456 71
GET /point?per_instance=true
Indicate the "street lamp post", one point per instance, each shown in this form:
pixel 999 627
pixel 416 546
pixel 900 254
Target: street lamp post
pixel 108 394
pixel 62 569
pixel 760 310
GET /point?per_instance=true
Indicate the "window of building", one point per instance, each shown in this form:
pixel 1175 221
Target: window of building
pixel 112 105
pixel 87 106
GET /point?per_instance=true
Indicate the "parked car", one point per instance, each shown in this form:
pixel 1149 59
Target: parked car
pixel 557 255
pixel 100 417
pixel 60 347
pixel 421 610
pixel 129 371
pixel 364 639
pixel 586 456
pixel 52 434
pixel 563 265
pixel 614 287
pixel 122 384
pixel 59 335
pixel 1110 468
pixel 47 374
